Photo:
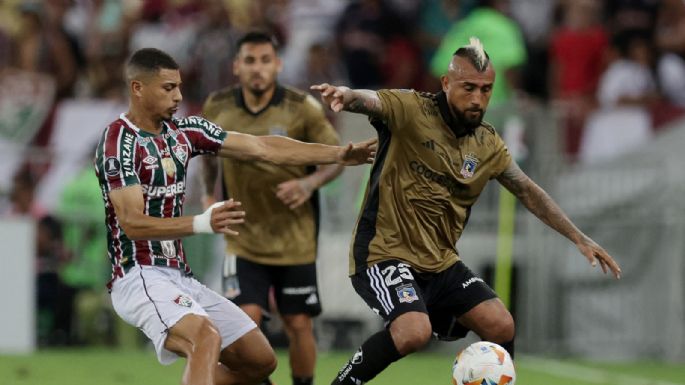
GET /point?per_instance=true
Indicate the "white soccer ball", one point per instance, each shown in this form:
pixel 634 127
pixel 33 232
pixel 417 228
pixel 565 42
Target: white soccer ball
pixel 483 363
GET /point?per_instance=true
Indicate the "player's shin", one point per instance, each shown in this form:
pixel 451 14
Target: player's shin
pixel 375 354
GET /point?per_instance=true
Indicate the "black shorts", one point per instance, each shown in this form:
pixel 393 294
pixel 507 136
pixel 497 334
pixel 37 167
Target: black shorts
pixel 392 288
pixel 295 287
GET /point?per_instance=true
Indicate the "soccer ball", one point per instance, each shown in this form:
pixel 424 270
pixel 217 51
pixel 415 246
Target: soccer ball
pixel 483 363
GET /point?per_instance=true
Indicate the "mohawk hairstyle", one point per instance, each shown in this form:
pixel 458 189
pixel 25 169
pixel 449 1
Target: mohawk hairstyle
pixel 476 54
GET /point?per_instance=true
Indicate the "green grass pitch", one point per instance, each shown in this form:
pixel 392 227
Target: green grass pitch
pixel 140 367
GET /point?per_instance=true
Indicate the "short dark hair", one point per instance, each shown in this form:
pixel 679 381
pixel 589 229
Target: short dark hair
pixel 257 37
pixel 146 60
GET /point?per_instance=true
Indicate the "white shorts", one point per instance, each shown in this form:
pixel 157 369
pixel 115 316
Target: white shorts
pixel 154 299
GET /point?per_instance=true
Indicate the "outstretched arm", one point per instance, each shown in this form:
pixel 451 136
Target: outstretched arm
pixel 538 202
pixel 343 98
pixel 285 151
pixel 129 207
pixel 295 192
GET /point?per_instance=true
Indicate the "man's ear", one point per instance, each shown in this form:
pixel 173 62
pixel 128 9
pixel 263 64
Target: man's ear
pixel 444 81
pixel 136 87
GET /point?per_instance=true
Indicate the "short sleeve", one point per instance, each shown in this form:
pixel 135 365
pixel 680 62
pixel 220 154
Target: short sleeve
pixel 399 106
pixel 205 137
pixel 115 158
pixel 501 157
pixel 317 127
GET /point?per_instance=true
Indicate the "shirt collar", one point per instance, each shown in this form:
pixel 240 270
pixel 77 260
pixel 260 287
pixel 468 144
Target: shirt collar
pixel 277 98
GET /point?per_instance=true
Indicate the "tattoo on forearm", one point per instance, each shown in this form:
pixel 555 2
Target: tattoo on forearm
pixel 537 201
pixel 365 102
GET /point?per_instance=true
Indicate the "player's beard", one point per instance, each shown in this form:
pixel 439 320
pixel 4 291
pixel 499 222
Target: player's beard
pixel 469 124
pixel 258 91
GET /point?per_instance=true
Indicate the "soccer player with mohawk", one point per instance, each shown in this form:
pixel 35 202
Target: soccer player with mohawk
pixel 434 158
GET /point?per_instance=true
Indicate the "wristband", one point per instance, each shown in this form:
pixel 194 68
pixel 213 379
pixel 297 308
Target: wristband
pixel 202 222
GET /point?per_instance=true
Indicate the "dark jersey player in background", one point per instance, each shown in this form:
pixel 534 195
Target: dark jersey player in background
pixel 278 248
pixel 141 164
pixel 435 157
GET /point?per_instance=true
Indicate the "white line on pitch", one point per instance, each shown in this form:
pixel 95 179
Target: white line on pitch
pixel 587 374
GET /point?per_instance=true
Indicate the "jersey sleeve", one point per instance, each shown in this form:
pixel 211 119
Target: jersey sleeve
pixel 205 137
pixel 501 158
pixel 399 106
pixel 317 127
pixel 115 158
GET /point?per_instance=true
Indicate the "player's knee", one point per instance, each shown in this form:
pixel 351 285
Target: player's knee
pixel 262 367
pixel 412 338
pixel 206 333
pixel 503 330
pixel 298 324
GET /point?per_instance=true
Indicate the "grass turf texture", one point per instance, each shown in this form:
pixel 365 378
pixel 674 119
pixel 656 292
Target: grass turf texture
pixel 134 367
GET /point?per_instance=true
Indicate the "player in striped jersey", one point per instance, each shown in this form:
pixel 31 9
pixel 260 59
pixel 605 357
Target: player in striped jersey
pixel 141 164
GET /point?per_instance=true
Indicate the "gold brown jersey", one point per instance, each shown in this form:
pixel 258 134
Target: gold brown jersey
pixel 427 175
pixel 273 234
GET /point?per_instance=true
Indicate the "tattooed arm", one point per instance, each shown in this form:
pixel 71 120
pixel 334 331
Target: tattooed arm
pixel 343 98
pixel 538 202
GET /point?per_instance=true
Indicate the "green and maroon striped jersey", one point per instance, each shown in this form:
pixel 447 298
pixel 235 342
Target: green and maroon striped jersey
pixel 126 156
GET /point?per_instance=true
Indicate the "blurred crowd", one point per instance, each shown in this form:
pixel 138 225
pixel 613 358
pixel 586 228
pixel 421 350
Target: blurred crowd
pixel 613 69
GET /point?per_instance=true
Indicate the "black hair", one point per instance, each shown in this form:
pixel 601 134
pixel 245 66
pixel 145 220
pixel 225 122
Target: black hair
pixel 149 60
pixel 257 37
pixel 625 40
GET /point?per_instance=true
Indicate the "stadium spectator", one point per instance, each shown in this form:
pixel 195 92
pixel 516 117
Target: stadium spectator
pixel 105 41
pixel 670 39
pixel 436 150
pixel 627 90
pixel 80 212
pixel 361 33
pixel 278 249
pixel 55 298
pixel 309 23
pixel 631 15
pixel 577 59
pixel 211 52
pixel 141 163
pixel 43 46
pixel 500 34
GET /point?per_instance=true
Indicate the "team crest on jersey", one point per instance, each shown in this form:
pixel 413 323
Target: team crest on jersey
pixel 169 166
pixel 278 130
pixel 183 300
pixel 168 249
pixel 112 166
pixel 468 168
pixel 407 293
pixel 181 152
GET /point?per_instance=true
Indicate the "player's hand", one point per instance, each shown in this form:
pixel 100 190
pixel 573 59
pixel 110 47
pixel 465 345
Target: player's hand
pixel 596 254
pixel 207 200
pixel 332 96
pixel 226 215
pixel 358 153
pixel 294 192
